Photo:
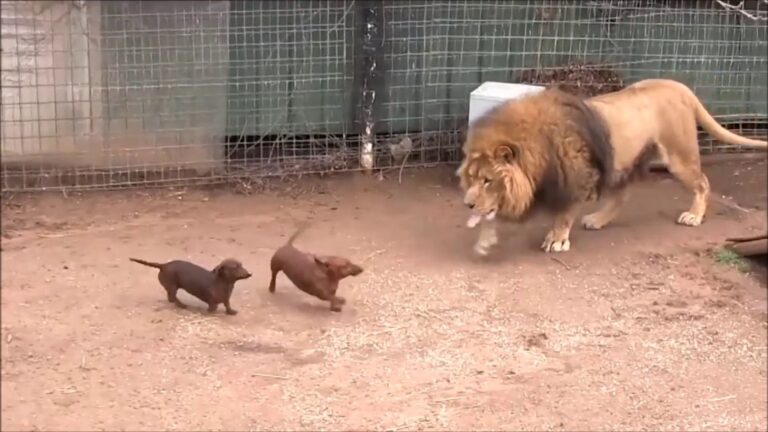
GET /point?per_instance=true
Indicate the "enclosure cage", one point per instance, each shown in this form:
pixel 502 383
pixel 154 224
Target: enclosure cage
pixel 111 94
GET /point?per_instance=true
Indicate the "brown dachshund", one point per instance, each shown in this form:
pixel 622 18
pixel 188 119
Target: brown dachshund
pixel 211 286
pixel 318 276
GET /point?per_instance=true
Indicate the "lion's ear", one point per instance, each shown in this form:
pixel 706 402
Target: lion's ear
pixel 507 153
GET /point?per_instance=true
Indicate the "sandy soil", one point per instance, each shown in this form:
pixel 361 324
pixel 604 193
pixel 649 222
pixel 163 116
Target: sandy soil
pixel 637 327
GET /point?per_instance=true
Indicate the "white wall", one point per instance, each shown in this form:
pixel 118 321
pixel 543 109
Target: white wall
pixel 46 94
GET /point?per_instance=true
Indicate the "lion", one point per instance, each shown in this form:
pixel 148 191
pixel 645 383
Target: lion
pixel 563 151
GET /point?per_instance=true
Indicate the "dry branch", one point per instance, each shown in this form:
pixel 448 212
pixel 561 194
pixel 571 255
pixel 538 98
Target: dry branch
pixel 579 78
pixel 746 239
pixel 750 248
pixel 757 16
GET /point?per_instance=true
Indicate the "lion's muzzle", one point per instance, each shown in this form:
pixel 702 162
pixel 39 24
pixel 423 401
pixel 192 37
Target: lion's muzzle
pixel 470 198
pixel 476 218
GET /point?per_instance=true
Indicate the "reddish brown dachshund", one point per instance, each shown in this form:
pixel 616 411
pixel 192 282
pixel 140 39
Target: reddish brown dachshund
pixel 211 286
pixel 318 276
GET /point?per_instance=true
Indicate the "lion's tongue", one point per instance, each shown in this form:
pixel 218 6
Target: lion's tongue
pixel 474 220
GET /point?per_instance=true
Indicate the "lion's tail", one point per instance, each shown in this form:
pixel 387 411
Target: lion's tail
pixel 705 119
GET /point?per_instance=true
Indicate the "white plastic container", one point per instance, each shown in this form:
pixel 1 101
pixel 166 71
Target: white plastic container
pixel 491 94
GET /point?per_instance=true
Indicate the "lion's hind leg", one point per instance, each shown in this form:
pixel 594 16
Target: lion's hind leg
pixel 684 162
pixel 695 180
pixel 607 211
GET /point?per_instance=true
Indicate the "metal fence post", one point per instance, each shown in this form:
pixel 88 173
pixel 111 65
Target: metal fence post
pixel 369 62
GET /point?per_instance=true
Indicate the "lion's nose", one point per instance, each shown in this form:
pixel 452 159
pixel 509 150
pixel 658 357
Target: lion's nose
pixel 470 205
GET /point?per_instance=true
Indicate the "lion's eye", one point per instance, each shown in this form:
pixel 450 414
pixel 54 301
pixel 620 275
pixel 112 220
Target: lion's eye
pixel 487 181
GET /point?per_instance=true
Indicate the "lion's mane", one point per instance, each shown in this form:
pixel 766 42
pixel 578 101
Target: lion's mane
pixel 549 148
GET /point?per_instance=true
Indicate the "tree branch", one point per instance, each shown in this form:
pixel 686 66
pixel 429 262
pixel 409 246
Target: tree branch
pixel 740 9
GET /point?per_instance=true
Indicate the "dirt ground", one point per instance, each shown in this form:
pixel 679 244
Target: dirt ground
pixel 638 327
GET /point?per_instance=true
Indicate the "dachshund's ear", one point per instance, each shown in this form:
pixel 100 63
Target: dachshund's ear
pixel 321 262
pixel 507 153
pixel 221 268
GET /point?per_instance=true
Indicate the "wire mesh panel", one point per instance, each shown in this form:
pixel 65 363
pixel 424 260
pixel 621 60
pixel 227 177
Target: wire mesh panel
pixel 124 93
pixel 112 94
pixel 290 89
pixel 438 52
pixel 146 92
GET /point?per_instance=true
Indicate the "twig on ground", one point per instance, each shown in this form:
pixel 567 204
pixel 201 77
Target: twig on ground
pixel 8 197
pixel 402 165
pixel 724 398
pixel 269 376
pixel 373 254
pixel 451 398
pixel 561 262
pixel 387 330
pixel 429 314
pixel 729 204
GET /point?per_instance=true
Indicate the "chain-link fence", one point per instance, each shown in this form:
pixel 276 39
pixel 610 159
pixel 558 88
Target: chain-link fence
pixel 128 93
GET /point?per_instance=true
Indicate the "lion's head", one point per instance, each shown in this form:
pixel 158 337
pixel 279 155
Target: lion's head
pixel 483 187
pixel 496 184
pixel 549 147
pixel 503 162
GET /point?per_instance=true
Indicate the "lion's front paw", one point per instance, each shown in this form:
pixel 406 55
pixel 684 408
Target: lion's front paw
pixel 484 244
pixel 487 240
pixel 483 247
pixel 592 222
pixel 554 244
pixel 689 219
